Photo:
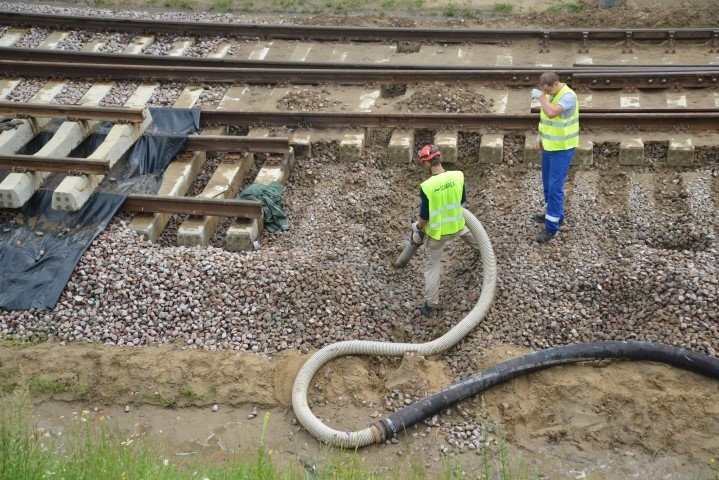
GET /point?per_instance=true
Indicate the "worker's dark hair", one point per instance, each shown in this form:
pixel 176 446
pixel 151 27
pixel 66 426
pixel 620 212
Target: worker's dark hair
pixel 548 78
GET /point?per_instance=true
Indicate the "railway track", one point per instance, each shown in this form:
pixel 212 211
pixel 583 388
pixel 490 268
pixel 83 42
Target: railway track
pixel 652 93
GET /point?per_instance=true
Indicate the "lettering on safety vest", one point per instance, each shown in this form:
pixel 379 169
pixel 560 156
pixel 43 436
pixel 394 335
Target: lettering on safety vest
pixel 444 187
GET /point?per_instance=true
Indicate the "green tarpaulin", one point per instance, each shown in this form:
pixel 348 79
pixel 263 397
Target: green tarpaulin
pixel 272 208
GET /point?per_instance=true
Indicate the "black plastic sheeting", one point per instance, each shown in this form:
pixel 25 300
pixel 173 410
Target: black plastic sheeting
pixel 39 252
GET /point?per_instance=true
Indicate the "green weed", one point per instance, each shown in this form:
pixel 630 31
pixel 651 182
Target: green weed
pixel 90 448
pixel 81 389
pixel 502 7
pixel 467 11
pixel 450 10
pixel 191 395
pixel 180 4
pixel 222 6
pixel 42 385
pixel 413 3
pixel 159 399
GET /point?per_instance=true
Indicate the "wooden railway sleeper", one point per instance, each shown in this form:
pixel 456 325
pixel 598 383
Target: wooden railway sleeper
pixel 672 44
pixel 584 47
pixel 545 43
pixel 628 43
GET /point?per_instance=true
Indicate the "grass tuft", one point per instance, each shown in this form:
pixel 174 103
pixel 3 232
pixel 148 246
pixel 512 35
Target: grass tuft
pixel 502 7
pixel 92 449
pixel 41 385
pixel 222 6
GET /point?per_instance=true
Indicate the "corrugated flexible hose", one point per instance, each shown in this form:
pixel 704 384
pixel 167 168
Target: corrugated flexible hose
pixel 376 433
pixel 535 361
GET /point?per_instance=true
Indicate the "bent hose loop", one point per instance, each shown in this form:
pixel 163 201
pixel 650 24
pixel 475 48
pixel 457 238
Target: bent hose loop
pixel 369 435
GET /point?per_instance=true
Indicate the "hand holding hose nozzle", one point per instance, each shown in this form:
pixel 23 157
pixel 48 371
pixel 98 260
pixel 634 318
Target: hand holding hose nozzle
pixel 416 239
pixel 417 234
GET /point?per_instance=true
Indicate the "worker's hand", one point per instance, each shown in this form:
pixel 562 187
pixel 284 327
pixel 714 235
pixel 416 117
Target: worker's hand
pixel 536 93
pixel 538 141
pixel 417 234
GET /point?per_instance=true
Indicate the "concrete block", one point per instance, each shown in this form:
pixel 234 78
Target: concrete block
pixel 17 188
pixel 681 152
pixel 531 153
pixel 584 154
pixel 631 152
pixel 74 191
pixel 301 143
pixel 352 146
pixel 491 148
pixel 447 143
pixel 197 231
pixel 242 233
pixel 401 147
pixel 277 168
pixel 224 183
pixel 176 181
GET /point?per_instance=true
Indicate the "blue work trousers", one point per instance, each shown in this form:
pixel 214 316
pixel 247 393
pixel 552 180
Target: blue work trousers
pixel 555 167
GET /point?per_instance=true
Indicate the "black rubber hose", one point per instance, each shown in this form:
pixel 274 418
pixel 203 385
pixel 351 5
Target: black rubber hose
pixel 653 352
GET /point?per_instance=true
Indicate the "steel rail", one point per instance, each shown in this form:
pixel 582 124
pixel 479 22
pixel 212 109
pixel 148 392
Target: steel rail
pixel 226 143
pixel 248 75
pixel 65 56
pixel 295 32
pixel 703 117
pixel 32 163
pixel 511 77
pixel 613 80
pixel 245 209
pixel 614 121
pixel 74 112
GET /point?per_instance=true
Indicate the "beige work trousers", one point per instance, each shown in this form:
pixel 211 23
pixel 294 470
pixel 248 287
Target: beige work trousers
pixel 433 253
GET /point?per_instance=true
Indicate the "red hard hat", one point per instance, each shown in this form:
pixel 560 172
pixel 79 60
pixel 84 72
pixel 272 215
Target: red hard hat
pixel 428 152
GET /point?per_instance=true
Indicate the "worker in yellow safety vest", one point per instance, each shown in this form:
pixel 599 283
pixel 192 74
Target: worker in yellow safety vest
pixel 440 219
pixel 558 138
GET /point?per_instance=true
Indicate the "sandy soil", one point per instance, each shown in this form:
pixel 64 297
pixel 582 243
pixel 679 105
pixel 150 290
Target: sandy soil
pixel 602 419
pixel 607 420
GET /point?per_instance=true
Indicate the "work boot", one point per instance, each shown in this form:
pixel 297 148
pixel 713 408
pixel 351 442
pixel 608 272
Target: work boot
pixel 539 218
pixel 545 236
pixel 428 311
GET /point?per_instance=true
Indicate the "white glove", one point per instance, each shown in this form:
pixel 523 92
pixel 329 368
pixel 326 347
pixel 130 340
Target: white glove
pixel 536 93
pixel 417 234
pixel 538 141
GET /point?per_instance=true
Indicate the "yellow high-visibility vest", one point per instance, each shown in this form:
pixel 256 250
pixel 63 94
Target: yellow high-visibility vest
pixel 444 192
pixel 560 133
